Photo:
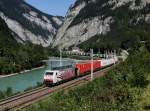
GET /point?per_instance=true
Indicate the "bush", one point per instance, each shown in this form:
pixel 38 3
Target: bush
pixel 7 93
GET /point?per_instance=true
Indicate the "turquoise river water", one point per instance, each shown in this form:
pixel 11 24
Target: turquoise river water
pixel 20 82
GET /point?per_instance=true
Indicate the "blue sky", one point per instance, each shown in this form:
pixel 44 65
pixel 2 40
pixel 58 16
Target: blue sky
pixel 52 7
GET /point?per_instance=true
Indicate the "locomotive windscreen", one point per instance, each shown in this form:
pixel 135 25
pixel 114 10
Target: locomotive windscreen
pixel 49 73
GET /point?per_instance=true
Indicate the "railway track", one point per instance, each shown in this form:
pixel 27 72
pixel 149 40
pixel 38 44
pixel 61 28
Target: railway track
pixel 23 100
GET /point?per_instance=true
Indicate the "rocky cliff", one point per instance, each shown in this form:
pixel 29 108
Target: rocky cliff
pixel 89 18
pixel 29 24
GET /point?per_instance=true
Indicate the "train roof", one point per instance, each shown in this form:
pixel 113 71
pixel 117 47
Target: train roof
pixel 86 61
pixel 62 67
pixel 51 71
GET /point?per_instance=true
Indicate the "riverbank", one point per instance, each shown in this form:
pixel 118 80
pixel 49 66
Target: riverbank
pixel 21 82
pixel 4 76
pixel 13 74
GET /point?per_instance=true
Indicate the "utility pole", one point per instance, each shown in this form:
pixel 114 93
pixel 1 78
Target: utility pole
pixel 114 56
pixel 99 53
pixel 105 54
pixel 60 57
pixel 91 64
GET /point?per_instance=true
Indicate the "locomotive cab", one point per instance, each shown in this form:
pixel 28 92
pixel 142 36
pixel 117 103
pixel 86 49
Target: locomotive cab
pixel 50 77
pixel 58 74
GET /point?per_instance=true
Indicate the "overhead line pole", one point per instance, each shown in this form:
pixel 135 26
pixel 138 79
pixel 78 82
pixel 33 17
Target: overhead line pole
pixel 114 56
pixel 60 57
pixel 91 64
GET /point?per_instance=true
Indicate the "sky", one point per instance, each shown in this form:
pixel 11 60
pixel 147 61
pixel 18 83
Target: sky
pixel 52 7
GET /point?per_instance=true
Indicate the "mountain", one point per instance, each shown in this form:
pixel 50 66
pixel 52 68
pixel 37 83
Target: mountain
pixel 109 23
pixel 15 56
pixel 6 38
pixel 29 24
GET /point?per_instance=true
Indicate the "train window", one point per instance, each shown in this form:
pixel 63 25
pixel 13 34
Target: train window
pixel 49 73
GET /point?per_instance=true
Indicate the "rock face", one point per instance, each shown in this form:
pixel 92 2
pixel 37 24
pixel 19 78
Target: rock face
pixel 88 18
pixel 6 38
pixel 29 24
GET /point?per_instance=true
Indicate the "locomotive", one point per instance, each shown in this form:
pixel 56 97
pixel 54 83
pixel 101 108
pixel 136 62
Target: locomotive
pixel 64 73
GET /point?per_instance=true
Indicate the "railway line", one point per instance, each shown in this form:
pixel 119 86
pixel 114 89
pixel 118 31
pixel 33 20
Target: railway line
pixel 23 100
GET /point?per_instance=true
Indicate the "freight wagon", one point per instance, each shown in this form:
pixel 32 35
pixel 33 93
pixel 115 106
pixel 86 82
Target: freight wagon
pixel 82 68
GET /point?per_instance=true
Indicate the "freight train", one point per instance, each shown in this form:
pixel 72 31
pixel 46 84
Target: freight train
pixel 60 74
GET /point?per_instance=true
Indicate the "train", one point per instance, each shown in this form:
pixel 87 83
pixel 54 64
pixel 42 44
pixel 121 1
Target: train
pixel 65 73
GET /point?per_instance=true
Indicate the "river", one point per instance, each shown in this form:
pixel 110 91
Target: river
pixel 20 82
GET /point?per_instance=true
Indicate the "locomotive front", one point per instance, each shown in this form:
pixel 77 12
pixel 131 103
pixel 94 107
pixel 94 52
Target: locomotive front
pixel 49 77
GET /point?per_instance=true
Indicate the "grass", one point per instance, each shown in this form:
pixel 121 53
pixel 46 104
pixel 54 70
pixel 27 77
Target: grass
pixel 144 103
pixel 9 92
